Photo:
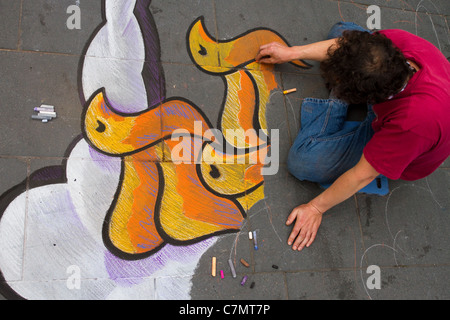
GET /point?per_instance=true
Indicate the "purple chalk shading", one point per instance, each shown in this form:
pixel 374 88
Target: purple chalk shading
pixel 106 163
pixel 129 273
pixel 47 175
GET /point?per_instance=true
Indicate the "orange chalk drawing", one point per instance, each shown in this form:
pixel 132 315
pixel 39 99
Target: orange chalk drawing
pixel 162 200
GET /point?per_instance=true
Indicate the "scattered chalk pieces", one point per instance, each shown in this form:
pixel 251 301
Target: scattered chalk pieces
pixel 222 275
pixel 45 113
pixel 252 285
pixel 275 266
pixel 250 235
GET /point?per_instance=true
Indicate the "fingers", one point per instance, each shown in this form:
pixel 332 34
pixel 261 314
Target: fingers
pixel 264 56
pixel 266 53
pixel 265 50
pixel 291 217
pixel 311 240
pixel 267 60
pixel 293 236
pixel 301 241
pixel 305 229
pixel 295 231
pixel 261 54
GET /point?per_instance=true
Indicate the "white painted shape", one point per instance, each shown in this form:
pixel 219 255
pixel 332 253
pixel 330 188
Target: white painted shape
pixel 93 180
pixel 115 59
pixel 56 239
pixel 142 291
pixel 64 226
pixel 12 226
pixel 91 289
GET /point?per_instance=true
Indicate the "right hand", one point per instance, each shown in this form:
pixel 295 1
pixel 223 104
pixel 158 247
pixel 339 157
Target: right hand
pixel 307 222
pixel 274 53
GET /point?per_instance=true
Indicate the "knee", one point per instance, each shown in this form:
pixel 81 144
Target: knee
pixel 310 167
pixel 297 165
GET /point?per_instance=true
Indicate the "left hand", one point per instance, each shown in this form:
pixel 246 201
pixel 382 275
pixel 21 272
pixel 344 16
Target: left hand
pixel 307 222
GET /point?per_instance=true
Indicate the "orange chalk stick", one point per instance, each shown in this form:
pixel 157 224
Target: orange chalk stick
pixel 245 263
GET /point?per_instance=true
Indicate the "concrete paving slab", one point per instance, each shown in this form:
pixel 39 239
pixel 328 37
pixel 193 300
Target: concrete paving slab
pixel 410 223
pixel 411 283
pixel 32 79
pixel 44 25
pixel 12 170
pixel 423 24
pixel 431 6
pixel 338 242
pixel 325 285
pixel 10 21
pixel 203 90
pixel 173 19
pixel 298 26
pixel 267 286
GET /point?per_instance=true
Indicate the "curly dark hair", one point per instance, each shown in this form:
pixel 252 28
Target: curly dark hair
pixel 365 68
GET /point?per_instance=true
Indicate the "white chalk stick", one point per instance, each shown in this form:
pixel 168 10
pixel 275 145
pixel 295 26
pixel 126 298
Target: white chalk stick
pixel 46 106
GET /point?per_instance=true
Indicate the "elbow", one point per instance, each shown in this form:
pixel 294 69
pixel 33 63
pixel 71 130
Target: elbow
pixel 365 177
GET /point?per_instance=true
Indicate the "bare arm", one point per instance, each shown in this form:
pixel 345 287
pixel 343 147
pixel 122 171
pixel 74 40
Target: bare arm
pixel 308 217
pixel 276 53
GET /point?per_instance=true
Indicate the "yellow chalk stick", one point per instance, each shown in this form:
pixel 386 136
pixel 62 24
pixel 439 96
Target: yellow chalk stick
pixel 290 91
pixel 213 268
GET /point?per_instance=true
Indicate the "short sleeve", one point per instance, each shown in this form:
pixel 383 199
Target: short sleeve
pixel 391 151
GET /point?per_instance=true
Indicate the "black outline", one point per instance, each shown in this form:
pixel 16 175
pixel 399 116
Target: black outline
pixel 240 66
pixel 231 197
pixel 106 222
pixel 140 17
pixel 163 137
pixel 167 239
pixel 176 242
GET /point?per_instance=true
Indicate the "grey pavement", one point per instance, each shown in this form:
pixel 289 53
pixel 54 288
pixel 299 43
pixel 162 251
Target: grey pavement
pixel 405 233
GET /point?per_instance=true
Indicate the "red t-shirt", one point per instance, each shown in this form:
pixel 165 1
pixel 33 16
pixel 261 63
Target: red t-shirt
pixel 412 130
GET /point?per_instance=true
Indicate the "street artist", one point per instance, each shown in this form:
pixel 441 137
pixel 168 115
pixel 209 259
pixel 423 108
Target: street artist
pixel 405 82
